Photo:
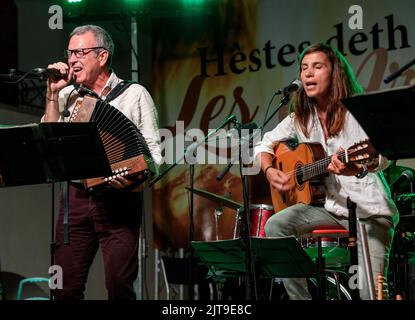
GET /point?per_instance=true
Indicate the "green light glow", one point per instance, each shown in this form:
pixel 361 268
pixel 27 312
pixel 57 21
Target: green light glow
pixel 133 1
pixel 192 2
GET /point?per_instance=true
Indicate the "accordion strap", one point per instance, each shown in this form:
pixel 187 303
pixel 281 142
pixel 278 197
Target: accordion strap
pixel 83 111
pixel 118 89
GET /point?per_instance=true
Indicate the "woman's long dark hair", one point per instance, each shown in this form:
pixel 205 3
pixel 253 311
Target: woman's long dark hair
pixel 343 84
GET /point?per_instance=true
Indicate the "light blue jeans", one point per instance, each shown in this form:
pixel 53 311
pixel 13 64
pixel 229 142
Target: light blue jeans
pixel 301 219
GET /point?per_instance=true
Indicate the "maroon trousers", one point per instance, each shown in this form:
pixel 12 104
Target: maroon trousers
pixel 110 220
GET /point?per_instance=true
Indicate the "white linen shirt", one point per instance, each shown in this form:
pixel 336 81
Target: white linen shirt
pixel 135 103
pixel 371 194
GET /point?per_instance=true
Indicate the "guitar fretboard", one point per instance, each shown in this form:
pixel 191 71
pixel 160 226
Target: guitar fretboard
pixel 317 168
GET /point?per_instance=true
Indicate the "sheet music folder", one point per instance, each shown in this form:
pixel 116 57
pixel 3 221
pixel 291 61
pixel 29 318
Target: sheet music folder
pixel 51 152
pixel 388 118
pixel 273 257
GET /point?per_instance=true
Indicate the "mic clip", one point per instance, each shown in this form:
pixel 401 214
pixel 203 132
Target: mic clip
pixel 83 91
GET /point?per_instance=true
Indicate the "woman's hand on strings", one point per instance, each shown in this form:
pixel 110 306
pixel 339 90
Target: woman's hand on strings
pixel 279 180
pixel 344 169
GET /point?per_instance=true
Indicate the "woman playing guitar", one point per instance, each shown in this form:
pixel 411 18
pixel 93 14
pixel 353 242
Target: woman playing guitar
pixel 322 126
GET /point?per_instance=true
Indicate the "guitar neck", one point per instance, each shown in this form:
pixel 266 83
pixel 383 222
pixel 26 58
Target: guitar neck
pixel 319 167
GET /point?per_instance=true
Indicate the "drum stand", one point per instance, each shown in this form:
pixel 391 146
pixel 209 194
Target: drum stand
pixel 237 223
pixel 218 214
pixel 400 263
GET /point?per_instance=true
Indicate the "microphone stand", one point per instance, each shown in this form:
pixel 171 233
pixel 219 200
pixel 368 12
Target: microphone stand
pixel 15 76
pixel 284 101
pixel 224 171
pixel 351 206
pixel 399 72
pixel 193 147
pixel 251 280
pixel 250 272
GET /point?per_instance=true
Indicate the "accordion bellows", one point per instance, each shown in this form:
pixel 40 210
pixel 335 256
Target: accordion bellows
pixel 125 146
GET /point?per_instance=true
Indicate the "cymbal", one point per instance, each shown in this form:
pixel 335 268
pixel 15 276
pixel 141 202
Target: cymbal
pixel 216 198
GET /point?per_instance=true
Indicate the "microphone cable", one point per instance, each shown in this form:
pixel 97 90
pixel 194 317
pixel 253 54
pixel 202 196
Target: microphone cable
pixel 267 111
pixel 65 112
pixel 12 74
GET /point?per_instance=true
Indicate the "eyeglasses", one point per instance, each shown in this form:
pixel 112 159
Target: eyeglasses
pixel 80 53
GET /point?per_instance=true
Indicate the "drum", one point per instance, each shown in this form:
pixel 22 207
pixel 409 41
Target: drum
pixel 335 291
pixel 258 216
pixel 335 251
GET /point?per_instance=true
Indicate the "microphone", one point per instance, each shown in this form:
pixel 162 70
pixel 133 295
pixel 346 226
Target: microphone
pixel 50 72
pixel 293 86
pixel 233 133
pixel 82 90
pixel 406 175
pixel 251 126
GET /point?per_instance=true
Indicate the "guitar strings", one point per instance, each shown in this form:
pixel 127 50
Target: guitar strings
pixel 314 169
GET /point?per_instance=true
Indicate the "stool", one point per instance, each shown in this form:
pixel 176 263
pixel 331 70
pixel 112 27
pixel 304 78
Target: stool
pixel 319 234
pixel 30 280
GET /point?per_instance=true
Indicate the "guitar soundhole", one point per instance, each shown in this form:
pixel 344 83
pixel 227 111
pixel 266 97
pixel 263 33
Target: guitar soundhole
pixel 299 176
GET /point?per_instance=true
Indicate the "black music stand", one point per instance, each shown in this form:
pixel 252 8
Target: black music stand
pixel 273 257
pixel 388 118
pixel 49 153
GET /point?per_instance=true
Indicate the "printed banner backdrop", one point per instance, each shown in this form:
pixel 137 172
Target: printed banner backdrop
pixel 228 58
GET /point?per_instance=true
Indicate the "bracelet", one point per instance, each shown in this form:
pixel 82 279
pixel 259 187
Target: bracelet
pixel 266 169
pixel 51 99
pixel 363 174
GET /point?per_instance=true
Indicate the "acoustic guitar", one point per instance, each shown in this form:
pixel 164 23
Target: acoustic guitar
pixel 306 164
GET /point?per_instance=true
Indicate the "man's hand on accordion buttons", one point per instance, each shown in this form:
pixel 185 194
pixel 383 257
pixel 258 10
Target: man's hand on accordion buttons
pixel 120 183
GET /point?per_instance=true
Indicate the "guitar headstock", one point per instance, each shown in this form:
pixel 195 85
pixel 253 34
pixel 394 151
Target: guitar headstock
pixel 362 152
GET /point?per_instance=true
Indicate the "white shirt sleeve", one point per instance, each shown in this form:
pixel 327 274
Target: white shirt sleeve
pixel 148 125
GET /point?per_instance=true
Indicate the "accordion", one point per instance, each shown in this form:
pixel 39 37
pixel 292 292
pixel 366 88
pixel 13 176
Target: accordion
pixel 124 145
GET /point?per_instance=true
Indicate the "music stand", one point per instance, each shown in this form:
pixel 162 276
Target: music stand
pixel 273 257
pixel 51 152
pixel 388 118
